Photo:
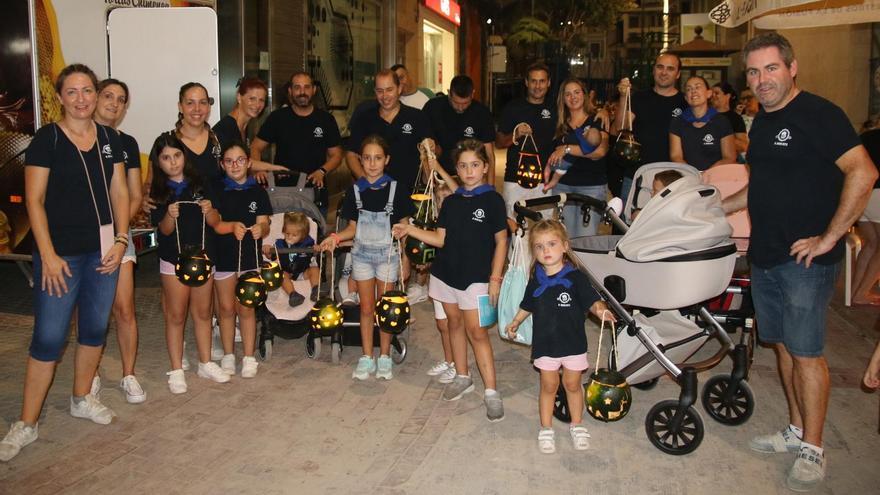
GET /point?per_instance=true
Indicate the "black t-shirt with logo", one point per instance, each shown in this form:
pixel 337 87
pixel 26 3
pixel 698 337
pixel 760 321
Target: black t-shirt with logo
pixel 559 315
pixel 654 112
pixel 239 206
pixel 795 185
pixel 70 211
pixel 226 130
pixel 450 127
pixel 189 224
pixel 131 153
pixel 207 163
pixel 471 224
pixel 409 127
pixel 542 119
pixel 584 171
pixel 701 146
pixel 376 199
pixel 301 143
pixel 871 142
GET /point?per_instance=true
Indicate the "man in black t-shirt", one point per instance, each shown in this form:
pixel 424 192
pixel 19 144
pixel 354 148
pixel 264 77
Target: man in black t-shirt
pixel 810 180
pixel 652 111
pixel 402 127
pixel 306 138
pixel 456 117
pixel 538 114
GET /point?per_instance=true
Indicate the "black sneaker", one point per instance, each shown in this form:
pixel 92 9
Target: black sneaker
pixel 295 299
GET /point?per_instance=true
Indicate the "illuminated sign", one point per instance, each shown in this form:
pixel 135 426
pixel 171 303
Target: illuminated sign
pixel 447 8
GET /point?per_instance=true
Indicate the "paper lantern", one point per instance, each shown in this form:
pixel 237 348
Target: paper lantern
pixel 392 312
pixel 529 172
pixel 270 272
pixel 193 267
pixel 250 290
pixel 627 149
pixel 325 316
pixel 608 397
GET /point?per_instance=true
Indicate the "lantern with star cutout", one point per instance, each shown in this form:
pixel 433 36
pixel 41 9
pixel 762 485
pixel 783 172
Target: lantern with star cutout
pixel 607 396
pixel 250 290
pixel 193 267
pixel 325 316
pixel 270 272
pixel 392 312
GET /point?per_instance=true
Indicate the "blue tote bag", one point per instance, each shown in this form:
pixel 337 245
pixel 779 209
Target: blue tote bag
pixel 513 287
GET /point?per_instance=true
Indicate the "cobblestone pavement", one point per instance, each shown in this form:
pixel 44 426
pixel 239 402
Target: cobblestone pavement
pixel 303 426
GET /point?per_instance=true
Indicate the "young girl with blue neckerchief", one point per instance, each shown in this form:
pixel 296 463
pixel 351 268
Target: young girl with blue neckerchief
pixel 375 203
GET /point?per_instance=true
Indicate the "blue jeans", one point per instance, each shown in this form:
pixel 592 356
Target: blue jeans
pixel 791 302
pixel 88 290
pixel 574 220
pixel 625 186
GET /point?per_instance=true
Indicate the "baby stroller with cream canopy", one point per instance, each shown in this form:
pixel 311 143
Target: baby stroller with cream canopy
pixel 676 255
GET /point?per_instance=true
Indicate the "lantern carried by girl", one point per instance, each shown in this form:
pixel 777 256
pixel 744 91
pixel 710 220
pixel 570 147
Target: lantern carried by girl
pixel 425 216
pixel 608 396
pixel 251 290
pixel 193 267
pixel 326 316
pixel 392 309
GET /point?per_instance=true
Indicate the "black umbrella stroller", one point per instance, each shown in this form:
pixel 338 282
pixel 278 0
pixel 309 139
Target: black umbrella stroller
pixel 676 255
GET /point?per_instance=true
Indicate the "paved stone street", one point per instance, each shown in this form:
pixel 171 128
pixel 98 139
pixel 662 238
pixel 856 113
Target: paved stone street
pixel 303 425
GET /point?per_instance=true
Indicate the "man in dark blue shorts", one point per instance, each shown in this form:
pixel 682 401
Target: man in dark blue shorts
pixel 810 180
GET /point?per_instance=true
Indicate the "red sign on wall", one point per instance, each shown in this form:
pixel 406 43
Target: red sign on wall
pixel 447 8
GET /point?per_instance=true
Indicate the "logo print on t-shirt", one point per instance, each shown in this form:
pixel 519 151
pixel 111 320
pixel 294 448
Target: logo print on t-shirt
pixel 216 151
pixel 319 132
pixel 564 300
pixel 124 156
pixel 676 112
pixel 708 139
pixel 107 151
pixel 782 137
pixel 252 207
pixel 407 128
pixel 479 215
pixel 545 114
pixel 469 131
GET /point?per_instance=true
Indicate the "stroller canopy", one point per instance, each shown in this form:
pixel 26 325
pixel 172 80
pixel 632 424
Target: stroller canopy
pixel 685 218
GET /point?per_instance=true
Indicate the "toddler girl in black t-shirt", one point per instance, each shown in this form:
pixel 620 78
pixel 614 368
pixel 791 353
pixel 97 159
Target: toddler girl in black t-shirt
pixel 175 184
pixel 245 209
pixel 558 295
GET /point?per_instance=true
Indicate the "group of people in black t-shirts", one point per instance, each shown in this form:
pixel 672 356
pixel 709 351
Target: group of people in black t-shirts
pixel 83 186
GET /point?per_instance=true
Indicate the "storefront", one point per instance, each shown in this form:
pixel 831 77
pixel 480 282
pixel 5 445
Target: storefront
pixel 439 34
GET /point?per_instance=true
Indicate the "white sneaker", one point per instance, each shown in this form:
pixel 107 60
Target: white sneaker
pixel 365 367
pixel 176 382
pixel 134 393
pixel 439 368
pixel 383 367
pixel 580 437
pixel 546 441
pixel 249 366
pixel 20 436
pixel 352 299
pixel 211 371
pixel 227 363
pixel 96 385
pixel 447 376
pixel 184 362
pixel 416 293
pixel 91 408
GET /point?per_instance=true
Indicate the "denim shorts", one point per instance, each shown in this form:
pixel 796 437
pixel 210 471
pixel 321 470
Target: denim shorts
pixel 368 263
pixel 88 290
pixel 791 303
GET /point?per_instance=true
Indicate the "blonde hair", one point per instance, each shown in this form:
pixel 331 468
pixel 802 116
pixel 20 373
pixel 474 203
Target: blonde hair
pixel 299 221
pixel 553 227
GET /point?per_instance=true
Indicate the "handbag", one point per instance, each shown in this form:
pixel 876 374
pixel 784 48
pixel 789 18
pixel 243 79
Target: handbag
pixel 513 288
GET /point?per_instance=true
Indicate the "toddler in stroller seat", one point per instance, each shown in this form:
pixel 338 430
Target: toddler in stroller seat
pixel 676 255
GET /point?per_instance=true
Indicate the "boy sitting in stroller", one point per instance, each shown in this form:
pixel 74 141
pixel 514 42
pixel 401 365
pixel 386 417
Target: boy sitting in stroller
pixel 296 235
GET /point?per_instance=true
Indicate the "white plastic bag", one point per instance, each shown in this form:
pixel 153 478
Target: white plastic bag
pixel 513 288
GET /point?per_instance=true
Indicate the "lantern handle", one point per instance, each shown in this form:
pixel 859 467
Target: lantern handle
pixel 613 341
pixel 177 231
pixel 400 263
pixel 332 276
pixel 320 270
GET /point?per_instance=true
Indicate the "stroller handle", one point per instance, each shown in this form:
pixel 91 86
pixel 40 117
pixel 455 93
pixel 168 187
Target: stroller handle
pixel 522 207
pixel 524 212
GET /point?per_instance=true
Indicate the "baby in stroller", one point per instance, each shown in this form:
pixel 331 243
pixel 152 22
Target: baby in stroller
pixel 298 261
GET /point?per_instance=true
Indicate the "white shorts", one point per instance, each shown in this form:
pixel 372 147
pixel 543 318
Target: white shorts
pixel 872 211
pixel 439 313
pixel 513 192
pixel 224 275
pixel 465 299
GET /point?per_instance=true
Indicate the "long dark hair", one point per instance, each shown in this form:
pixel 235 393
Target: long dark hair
pixel 159 190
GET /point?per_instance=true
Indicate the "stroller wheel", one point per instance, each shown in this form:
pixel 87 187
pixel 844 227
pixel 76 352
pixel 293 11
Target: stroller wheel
pixel 265 349
pixel 560 405
pixel 725 406
pixel 671 436
pixel 647 385
pixel 335 352
pixel 313 346
pixel 398 349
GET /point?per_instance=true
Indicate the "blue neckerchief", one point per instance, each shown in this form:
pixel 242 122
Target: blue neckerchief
pixel 688 116
pixel 581 140
pixel 177 187
pixel 363 184
pixel 475 191
pixel 545 281
pixel 231 185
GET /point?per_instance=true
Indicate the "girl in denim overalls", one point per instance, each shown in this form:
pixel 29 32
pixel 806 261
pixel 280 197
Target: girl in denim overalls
pixel 376 203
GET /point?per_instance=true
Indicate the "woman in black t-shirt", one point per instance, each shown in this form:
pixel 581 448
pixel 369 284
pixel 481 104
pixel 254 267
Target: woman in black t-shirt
pixel 201 145
pixel 588 174
pixel 76 201
pixel 700 136
pixel 110 110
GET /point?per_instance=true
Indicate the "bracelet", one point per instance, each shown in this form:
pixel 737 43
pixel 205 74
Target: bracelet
pixel 323 170
pixel 120 241
pixel 495 279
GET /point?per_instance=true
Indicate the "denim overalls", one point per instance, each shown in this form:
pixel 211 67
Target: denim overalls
pixel 373 240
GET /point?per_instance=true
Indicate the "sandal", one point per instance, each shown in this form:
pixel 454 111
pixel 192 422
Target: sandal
pixel 547 441
pixel 580 437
